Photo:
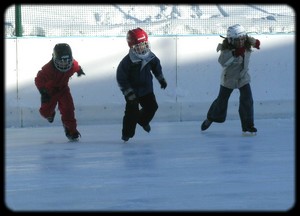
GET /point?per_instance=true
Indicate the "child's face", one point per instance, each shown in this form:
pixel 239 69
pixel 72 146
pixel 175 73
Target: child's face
pixel 63 64
pixel 141 48
pixel 239 42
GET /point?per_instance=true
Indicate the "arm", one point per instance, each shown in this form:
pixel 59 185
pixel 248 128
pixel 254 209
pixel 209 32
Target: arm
pixel 122 77
pixel 122 80
pixel 40 79
pixel 41 83
pixel 157 71
pixel 254 42
pixel 226 58
pixel 77 68
pixel 80 72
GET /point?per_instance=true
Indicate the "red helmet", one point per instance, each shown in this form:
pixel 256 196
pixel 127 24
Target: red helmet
pixel 137 40
pixel 136 36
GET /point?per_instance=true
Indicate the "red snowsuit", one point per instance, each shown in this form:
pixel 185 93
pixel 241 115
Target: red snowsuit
pixel 56 84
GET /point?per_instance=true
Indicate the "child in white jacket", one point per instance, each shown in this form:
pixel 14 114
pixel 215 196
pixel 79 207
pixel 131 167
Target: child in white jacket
pixel 234 58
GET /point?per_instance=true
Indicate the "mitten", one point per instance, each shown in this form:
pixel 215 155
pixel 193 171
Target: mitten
pixel 80 72
pixel 254 42
pixel 163 83
pixel 257 44
pixel 239 52
pixel 45 97
pixel 130 95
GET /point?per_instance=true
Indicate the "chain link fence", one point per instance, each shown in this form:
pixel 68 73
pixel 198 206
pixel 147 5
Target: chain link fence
pixel 159 20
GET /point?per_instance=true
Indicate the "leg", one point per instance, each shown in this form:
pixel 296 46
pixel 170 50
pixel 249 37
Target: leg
pixel 149 107
pixel 47 110
pixel 130 119
pixel 67 110
pixel 246 108
pixel 218 109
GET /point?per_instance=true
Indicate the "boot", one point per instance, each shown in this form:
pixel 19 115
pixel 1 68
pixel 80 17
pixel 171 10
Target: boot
pixel 51 118
pixel 205 124
pixel 147 128
pixel 72 136
pixel 250 129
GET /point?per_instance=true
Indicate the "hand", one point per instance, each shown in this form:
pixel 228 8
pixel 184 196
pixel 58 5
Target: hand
pixel 130 96
pixel 45 97
pixel 254 42
pixel 257 44
pixel 239 52
pixel 163 83
pixel 80 72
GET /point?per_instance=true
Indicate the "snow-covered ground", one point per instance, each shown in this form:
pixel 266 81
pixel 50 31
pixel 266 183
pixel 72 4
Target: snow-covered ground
pixel 159 19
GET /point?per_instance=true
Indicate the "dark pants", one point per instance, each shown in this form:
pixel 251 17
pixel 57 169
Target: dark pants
pixel 133 115
pixel 218 109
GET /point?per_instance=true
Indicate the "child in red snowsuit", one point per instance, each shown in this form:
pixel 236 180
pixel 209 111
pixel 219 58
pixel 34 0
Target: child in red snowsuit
pixel 52 82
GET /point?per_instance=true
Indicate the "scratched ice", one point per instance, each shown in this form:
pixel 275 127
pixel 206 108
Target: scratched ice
pixel 174 168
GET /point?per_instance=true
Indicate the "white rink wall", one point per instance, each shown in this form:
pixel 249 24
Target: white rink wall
pixel 189 64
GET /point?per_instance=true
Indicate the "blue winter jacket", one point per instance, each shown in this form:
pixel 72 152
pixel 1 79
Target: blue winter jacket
pixel 135 74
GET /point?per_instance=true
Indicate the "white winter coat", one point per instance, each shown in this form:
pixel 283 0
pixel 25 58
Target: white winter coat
pixel 235 69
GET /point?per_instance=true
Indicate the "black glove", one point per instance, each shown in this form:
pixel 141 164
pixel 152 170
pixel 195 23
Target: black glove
pixel 80 72
pixel 163 83
pixel 45 97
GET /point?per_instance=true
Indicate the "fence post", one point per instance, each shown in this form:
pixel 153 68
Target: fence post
pixel 18 20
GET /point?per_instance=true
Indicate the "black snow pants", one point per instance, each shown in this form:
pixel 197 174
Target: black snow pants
pixel 133 115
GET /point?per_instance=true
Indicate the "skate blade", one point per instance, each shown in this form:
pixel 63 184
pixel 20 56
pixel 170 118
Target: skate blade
pixel 74 140
pixel 247 133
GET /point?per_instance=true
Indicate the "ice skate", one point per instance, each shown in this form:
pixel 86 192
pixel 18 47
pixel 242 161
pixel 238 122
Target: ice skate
pixel 125 138
pixel 51 118
pixel 74 136
pixel 147 128
pixel 249 131
pixel 205 124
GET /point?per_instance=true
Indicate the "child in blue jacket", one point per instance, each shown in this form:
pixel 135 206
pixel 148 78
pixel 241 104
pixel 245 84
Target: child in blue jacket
pixel 134 77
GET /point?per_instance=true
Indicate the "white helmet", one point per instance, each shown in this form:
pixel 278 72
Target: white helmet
pixel 235 31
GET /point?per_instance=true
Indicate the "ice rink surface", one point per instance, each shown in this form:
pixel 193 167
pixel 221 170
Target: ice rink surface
pixel 175 167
